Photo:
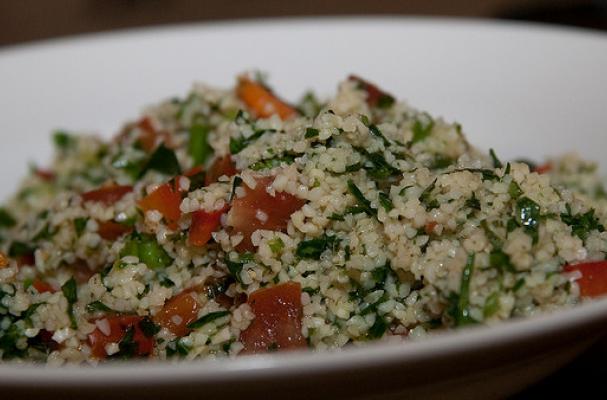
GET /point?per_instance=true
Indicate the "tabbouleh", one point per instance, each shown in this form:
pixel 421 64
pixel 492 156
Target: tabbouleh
pixel 230 222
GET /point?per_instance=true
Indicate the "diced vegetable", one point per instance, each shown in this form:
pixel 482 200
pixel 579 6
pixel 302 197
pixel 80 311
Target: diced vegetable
pixel 147 249
pixel 220 167
pixel 166 199
pixel 178 313
pixel 148 137
pixel 543 169
pixel 261 101
pixel 6 219
pixel 277 323
pixel 110 230
pixel 203 225
pixel 198 147
pixel 45 174
pixel 375 96
pixel 107 195
pixel 42 286
pixel 70 291
pixel 258 209
pixel 115 330
pixel 593 279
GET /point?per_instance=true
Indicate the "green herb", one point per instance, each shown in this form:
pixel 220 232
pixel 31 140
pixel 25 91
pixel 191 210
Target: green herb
pixel 378 168
pixel 311 132
pixel 127 346
pixel 238 144
pixel 385 201
pixel 336 217
pixel 422 129
pixel 360 198
pixel 527 212
pixel 582 224
pixel 205 319
pixel 496 162
pixel 235 266
pixel 31 310
pixel 276 245
pixel 163 160
pixel 70 291
pixel 518 285
pixel 311 291
pixel 63 140
pixel 272 162
pixel 461 311
pixel 385 101
pixel 514 190
pixel 80 225
pixel 177 347
pixel 492 305
pixel 8 343
pixel 20 249
pixel 198 147
pixel 425 196
pixel 235 184
pixel 347 253
pixel 6 219
pixel 488 174
pixel 98 306
pixel 309 105
pixel 131 164
pixel 377 133
pixel 473 203
pixel 440 161
pixel 147 249
pixel 379 327
pixel 164 280
pixel 313 248
pixel 44 234
pixel 148 327
pixel 197 181
pixel 507 171
pixel 500 260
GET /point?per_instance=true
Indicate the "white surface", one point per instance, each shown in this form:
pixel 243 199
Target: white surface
pixel 523 89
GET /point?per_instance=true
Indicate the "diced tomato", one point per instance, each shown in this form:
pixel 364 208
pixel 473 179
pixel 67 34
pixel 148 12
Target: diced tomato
pixel 374 94
pixel 118 327
pixel 110 230
pixel 107 195
pixel 203 225
pixel 277 323
pixel 193 171
pixel 261 101
pixel 3 260
pixel 166 200
pixel 42 287
pixel 45 174
pixel 149 137
pixel 429 228
pixel 45 338
pixel 178 313
pixel 593 280
pixel 26 259
pixel 542 169
pixel 221 166
pixel 258 209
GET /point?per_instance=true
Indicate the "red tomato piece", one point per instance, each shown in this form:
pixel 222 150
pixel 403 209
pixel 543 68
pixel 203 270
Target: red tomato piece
pixel 193 171
pixel 110 230
pixel 26 259
pixel 45 174
pixel 107 195
pixel 166 200
pixel 220 167
pixel 117 328
pixel 277 323
pixel 374 94
pixel 593 282
pixel 261 101
pixel 42 287
pixel 258 209
pixel 429 228
pixel 178 313
pixel 203 225
pixel 542 169
pixel 148 136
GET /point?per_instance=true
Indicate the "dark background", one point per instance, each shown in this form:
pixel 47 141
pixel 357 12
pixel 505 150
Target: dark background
pixel 29 20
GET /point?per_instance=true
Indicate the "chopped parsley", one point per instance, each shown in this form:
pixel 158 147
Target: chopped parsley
pixel 582 224
pixel 313 248
pixel 496 161
pixel 361 199
pixel 422 128
pixel 70 291
pixel 163 160
pixel 385 202
pixel 205 319
pixel 6 219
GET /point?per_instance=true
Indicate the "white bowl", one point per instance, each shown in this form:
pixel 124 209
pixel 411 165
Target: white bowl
pixel 525 90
